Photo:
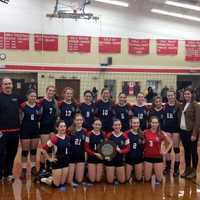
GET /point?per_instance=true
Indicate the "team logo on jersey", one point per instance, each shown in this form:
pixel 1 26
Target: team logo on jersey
pixel 14 99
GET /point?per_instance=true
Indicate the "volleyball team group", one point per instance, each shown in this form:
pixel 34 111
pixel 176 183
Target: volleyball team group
pixel 68 135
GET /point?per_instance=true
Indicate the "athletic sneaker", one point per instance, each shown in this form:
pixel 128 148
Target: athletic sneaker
pixel 116 182
pixel 10 178
pixel 47 181
pixel 74 184
pixel 23 174
pixel 186 173
pixel 33 171
pixel 87 184
pixel 176 173
pixel 192 175
pixel 63 188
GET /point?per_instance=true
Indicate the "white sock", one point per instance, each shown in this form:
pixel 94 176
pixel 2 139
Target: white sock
pixel 24 165
pixel 33 164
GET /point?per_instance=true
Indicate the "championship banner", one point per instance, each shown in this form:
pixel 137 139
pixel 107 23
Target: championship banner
pixel 192 50
pixel 109 45
pixel 138 46
pixel 167 47
pixel 79 44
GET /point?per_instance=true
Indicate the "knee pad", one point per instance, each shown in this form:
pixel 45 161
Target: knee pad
pixel 169 151
pixel 176 150
pixel 33 152
pixel 25 153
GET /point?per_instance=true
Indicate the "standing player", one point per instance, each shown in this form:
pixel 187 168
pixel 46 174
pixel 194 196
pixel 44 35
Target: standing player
pixel 68 107
pixel 9 128
pixel 60 142
pixel 154 149
pixel 95 160
pixel 77 151
pixel 87 109
pixel 116 166
pixel 134 158
pixel 29 135
pixel 103 109
pixel 171 128
pixel 157 110
pixel 140 110
pixel 49 114
pixel 122 111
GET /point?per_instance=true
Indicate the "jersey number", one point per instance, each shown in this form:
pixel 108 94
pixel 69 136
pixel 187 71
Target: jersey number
pixel 105 112
pixel 68 113
pixel 77 142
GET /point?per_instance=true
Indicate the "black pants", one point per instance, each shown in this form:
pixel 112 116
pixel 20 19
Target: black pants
pixel 190 149
pixel 8 150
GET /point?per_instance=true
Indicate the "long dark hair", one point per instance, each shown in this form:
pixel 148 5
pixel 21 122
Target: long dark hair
pixel 189 89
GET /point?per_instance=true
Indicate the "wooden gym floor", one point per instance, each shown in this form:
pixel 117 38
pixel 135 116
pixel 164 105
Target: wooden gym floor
pixel 171 189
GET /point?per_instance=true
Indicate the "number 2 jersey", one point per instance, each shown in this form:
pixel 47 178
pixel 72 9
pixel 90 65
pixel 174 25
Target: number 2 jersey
pixel 136 147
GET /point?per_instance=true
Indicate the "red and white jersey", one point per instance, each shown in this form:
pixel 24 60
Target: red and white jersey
pixel 152 144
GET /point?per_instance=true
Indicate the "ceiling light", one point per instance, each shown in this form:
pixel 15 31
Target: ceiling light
pixel 178 15
pixel 183 5
pixel 114 2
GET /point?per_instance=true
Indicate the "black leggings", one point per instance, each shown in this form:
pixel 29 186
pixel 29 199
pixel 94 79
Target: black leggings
pixel 8 150
pixel 190 149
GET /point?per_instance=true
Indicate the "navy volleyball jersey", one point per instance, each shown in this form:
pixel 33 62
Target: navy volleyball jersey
pixel 92 142
pixel 122 141
pixel 171 118
pixel 103 111
pixel 67 112
pixel 142 113
pixel 159 114
pixel 48 116
pixel 61 150
pixel 77 141
pixel 123 113
pixel 30 118
pixel 88 112
pixel 136 147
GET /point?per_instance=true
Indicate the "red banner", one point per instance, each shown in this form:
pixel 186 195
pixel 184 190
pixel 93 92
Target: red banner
pixel 46 42
pixel 18 41
pixel 138 46
pixel 1 40
pixel 109 45
pixel 167 47
pixel 192 50
pixel 80 44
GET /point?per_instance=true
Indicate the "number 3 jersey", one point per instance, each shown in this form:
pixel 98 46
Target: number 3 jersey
pixel 152 144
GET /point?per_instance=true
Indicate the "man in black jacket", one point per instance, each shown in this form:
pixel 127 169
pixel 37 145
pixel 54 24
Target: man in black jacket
pixel 9 128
